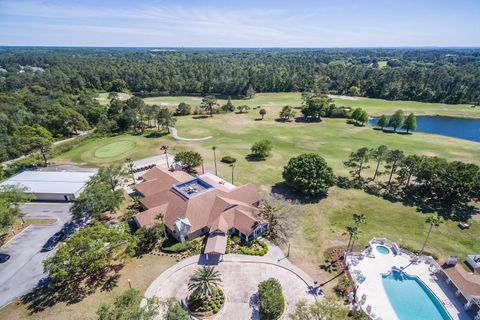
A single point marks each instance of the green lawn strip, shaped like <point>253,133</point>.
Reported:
<point>108,150</point>
<point>373,106</point>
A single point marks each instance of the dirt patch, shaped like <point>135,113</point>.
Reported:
<point>429,154</point>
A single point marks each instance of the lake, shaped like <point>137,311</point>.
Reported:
<point>468,129</point>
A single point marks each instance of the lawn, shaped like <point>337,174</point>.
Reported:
<point>373,106</point>
<point>103,97</point>
<point>140,271</point>
<point>105,151</point>
<point>321,224</point>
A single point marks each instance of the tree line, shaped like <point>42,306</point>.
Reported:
<point>56,88</point>
<point>423,179</point>
<point>435,75</point>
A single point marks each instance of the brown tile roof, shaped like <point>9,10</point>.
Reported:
<point>149,217</point>
<point>469,284</point>
<point>247,193</point>
<point>216,243</point>
<point>218,209</point>
<point>165,174</point>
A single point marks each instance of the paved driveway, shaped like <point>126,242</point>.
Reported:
<point>240,275</point>
<point>24,269</point>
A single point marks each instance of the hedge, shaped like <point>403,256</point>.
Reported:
<point>180,247</point>
<point>272,302</point>
<point>247,250</point>
<point>228,160</point>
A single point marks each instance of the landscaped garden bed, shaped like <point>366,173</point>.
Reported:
<point>206,306</point>
<point>180,250</point>
<point>254,247</point>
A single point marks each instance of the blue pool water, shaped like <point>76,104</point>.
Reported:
<point>382,249</point>
<point>412,299</point>
<point>462,128</point>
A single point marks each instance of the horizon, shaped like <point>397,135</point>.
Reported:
<point>251,24</point>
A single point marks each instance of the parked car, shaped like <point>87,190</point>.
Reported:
<point>4,257</point>
<point>53,241</point>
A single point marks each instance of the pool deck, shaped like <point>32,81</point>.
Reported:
<point>373,267</point>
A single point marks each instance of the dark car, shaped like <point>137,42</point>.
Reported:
<point>53,241</point>
<point>4,257</point>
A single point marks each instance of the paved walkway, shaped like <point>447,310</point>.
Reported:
<point>176,137</point>
<point>241,275</point>
<point>56,143</point>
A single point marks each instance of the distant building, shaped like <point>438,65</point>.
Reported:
<point>194,206</point>
<point>51,185</point>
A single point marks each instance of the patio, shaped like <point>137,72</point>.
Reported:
<point>367,267</point>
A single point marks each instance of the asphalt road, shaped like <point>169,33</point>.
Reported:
<point>22,272</point>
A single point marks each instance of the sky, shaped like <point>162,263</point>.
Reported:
<point>245,23</point>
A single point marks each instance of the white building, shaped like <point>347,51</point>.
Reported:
<point>51,186</point>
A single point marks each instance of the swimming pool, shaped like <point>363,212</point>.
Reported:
<point>412,299</point>
<point>382,249</point>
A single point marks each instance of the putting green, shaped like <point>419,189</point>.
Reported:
<point>114,149</point>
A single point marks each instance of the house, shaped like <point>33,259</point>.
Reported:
<point>465,285</point>
<point>51,185</point>
<point>195,206</point>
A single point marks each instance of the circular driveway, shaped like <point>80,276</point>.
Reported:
<point>240,278</point>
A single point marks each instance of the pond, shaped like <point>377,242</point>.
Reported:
<point>462,128</point>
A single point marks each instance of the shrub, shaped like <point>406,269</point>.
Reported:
<point>261,149</point>
<point>228,160</point>
<point>236,239</point>
<point>271,299</point>
<point>183,109</point>
<point>180,247</point>
<point>309,174</point>
<point>252,252</point>
<point>175,311</point>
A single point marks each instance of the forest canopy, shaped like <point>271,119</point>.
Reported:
<point>55,88</point>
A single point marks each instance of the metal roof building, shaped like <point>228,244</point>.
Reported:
<point>51,185</point>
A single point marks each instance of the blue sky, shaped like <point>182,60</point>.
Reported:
<point>246,23</point>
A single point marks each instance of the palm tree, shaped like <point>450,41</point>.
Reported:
<point>130,166</point>
<point>359,218</point>
<point>215,159</point>
<point>165,149</point>
<point>353,232</point>
<point>204,281</point>
<point>233,167</point>
<point>355,237</point>
<point>161,218</point>
<point>433,220</point>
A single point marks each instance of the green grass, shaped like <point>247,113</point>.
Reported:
<point>115,149</point>
<point>105,151</point>
<point>373,106</point>
<point>382,64</point>
<point>320,225</point>
<point>102,97</point>
<point>140,271</point>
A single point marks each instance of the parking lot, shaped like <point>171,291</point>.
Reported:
<point>23,271</point>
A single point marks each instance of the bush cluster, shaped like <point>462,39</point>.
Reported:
<point>228,160</point>
<point>180,247</point>
<point>272,302</point>
<point>255,252</point>
<point>206,306</point>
